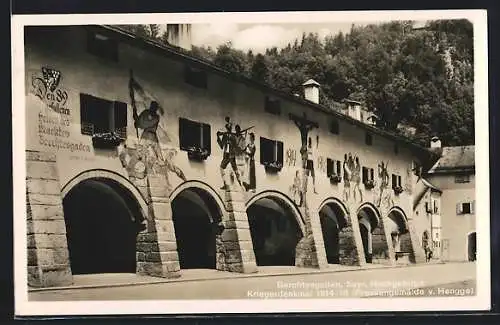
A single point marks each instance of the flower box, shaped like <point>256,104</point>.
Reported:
<point>335,179</point>
<point>197,154</point>
<point>273,167</point>
<point>398,190</point>
<point>369,184</point>
<point>109,140</point>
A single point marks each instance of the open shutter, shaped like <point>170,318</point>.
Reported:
<point>371,174</point>
<point>329,167</point>
<point>207,141</point>
<point>364,174</point>
<point>399,180</point>
<point>182,132</point>
<point>120,113</point>
<point>394,181</point>
<point>473,207</point>
<point>459,208</point>
<point>339,169</point>
<point>279,154</point>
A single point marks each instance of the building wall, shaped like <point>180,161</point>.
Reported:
<point>455,227</point>
<point>429,220</point>
<point>65,51</point>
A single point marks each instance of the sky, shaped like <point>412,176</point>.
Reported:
<point>258,37</point>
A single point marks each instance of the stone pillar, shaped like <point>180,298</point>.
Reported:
<point>156,245</point>
<point>48,255</point>
<point>385,238</point>
<point>310,250</point>
<point>234,245</point>
<point>357,251</point>
<point>417,254</point>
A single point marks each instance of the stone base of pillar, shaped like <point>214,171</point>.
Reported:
<point>348,252</point>
<point>47,247</point>
<point>156,246</point>
<point>234,244</point>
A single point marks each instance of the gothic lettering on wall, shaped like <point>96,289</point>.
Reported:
<point>238,150</point>
<point>322,164</point>
<point>45,85</point>
<point>352,176</point>
<point>291,157</point>
<point>150,156</point>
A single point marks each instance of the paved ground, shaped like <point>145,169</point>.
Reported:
<point>419,280</point>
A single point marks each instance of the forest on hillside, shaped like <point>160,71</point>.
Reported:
<point>420,77</point>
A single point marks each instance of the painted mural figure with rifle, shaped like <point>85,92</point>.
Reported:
<point>232,144</point>
<point>149,122</point>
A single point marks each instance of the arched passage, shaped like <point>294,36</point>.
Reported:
<point>196,217</point>
<point>333,218</point>
<point>398,228</point>
<point>471,246</point>
<point>372,235</point>
<point>102,221</point>
<point>275,230</point>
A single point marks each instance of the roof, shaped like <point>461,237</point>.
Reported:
<point>453,159</point>
<point>311,82</point>
<point>181,54</point>
<point>431,186</point>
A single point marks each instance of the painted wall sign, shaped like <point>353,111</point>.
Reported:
<point>45,85</point>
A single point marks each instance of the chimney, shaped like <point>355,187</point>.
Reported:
<point>179,35</point>
<point>435,143</point>
<point>311,91</point>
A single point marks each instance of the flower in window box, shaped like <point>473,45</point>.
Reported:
<point>106,140</point>
<point>369,184</point>
<point>274,166</point>
<point>196,153</point>
<point>398,190</point>
<point>335,178</point>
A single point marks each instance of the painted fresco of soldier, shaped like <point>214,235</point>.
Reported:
<point>227,141</point>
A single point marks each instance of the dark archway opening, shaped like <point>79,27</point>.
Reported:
<point>274,230</point>
<point>400,235</point>
<point>471,249</point>
<point>372,236</point>
<point>196,215</point>
<point>102,221</point>
<point>332,220</point>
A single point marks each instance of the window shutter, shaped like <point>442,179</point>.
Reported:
<point>399,180</point>
<point>427,207</point>
<point>329,167</point>
<point>207,141</point>
<point>266,150</point>
<point>394,180</point>
<point>364,174</point>
<point>87,127</point>
<point>459,208</point>
<point>371,174</point>
<point>120,111</point>
<point>473,207</point>
<point>279,154</point>
<point>339,170</point>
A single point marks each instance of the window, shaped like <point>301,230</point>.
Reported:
<point>272,106</point>
<point>334,127</point>
<point>102,46</point>
<point>102,116</point>
<point>271,152</point>
<point>435,207</point>
<point>194,136</point>
<point>465,207</point>
<point>396,181</point>
<point>396,148</point>
<point>428,207</point>
<point>368,139</point>
<point>194,77</point>
<point>333,167</point>
<point>367,175</point>
<point>462,178</point>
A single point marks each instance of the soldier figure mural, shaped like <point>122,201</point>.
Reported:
<point>234,146</point>
<point>149,150</point>
<point>305,126</point>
